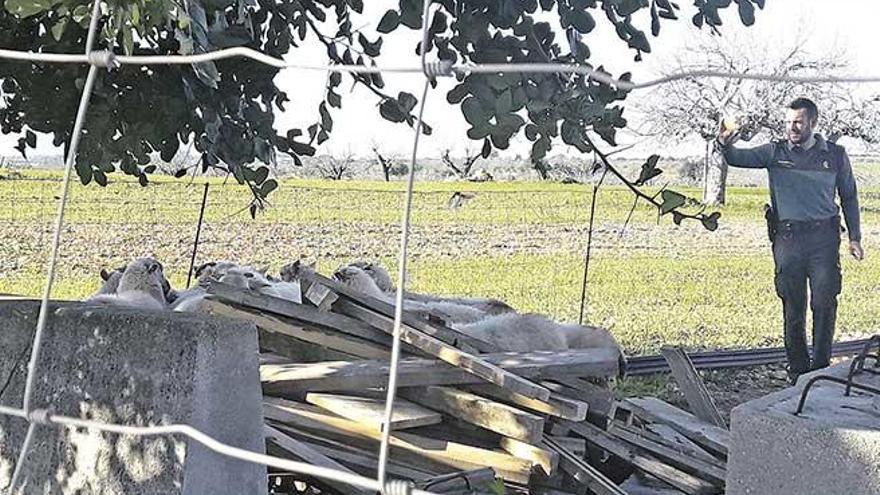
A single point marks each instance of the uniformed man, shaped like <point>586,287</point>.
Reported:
<point>805,171</point>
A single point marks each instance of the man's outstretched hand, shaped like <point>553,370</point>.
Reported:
<point>728,132</point>
<point>855,249</point>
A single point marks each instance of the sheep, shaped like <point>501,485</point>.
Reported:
<point>517,332</point>
<point>297,271</point>
<point>358,279</point>
<point>141,285</point>
<point>253,279</point>
<point>111,283</point>
<point>226,272</point>
<point>533,332</point>
<point>110,280</point>
<point>383,281</point>
<point>212,270</point>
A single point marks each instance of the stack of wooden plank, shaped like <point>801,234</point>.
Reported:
<point>466,414</point>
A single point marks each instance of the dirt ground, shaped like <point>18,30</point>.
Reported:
<point>732,387</point>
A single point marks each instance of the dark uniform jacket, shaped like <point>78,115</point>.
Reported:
<point>803,182</point>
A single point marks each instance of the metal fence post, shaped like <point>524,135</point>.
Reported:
<point>192,261</point>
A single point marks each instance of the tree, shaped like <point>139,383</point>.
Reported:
<point>336,168</point>
<point>695,106</point>
<point>390,166</point>
<point>228,107</point>
<point>463,169</point>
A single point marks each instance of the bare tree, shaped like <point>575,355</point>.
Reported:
<point>462,170</point>
<point>390,166</point>
<point>336,168</point>
<point>681,109</point>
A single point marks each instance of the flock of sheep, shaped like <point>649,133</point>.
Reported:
<point>142,283</point>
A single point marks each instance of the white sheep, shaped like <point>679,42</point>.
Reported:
<point>383,280</point>
<point>142,285</point>
<point>516,332</point>
<point>359,280</point>
<point>189,300</point>
<point>297,271</point>
<point>110,280</point>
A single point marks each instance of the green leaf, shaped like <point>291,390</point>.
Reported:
<point>487,149</point>
<point>389,22</point>
<point>671,201</point>
<point>473,112</point>
<point>407,101</point>
<point>581,20</point>
<point>100,178</point>
<point>58,28</point>
<point>504,103</point>
<point>334,99</point>
<point>677,217</point>
<point>27,8</point>
<point>268,186</point>
<point>127,41</point>
<point>711,222</point>
<point>301,148</point>
<point>746,14</point>
<point>390,110</point>
<point>458,93</point>
<point>649,170</point>
<point>84,172</point>
<point>261,174</point>
<point>326,119</point>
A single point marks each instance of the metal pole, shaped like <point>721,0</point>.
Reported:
<point>587,256</point>
<point>192,261</point>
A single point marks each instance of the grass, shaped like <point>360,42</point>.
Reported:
<point>657,284</point>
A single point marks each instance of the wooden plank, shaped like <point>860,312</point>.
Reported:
<point>469,362</point>
<point>692,386</point>
<point>679,458</point>
<point>441,332</point>
<point>331,340</point>
<point>577,446</point>
<point>583,472</point>
<point>371,410</point>
<point>664,434</point>
<point>679,479</point>
<point>493,416</point>
<point>621,413</point>
<point>450,453</point>
<point>556,405</point>
<point>359,375</point>
<point>321,297</point>
<point>709,436</point>
<point>547,460</point>
<point>355,457</point>
<point>298,351</point>
<point>272,358</point>
<point>303,452</point>
<point>472,481</point>
<point>599,399</point>
<point>300,313</point>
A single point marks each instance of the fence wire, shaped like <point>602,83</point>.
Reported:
<point>431,70</point>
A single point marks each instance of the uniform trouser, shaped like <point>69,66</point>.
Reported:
<point>802,257</point>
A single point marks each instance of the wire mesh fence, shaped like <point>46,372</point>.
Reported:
<point>458,237</point>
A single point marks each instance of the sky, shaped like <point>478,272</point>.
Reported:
<point>846,25</point>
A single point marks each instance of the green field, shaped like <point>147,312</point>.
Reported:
<point>652,284</point>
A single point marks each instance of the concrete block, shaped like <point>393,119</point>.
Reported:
<point>833,447</point>
<point>140,368</point>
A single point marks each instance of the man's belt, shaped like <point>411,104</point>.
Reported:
<point>808,225</point>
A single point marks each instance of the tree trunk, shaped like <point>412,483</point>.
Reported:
<point>715,177</point>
